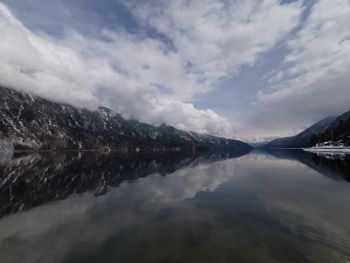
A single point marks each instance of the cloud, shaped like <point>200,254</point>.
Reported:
<point>218,37</point>
<point>315,81</point>
<point>153,79</point>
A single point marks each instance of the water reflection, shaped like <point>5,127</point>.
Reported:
<point>254,208</point>
<point>31,180</point>
<point>335,166</point>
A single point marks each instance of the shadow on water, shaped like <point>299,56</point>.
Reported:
<point>336,167</point>
<point>30,180</point>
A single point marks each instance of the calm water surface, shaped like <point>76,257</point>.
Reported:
<point>259,207</point>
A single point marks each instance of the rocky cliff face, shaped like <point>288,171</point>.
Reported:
<point>31,122</point>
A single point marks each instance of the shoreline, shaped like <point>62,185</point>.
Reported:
<point>342,150</point>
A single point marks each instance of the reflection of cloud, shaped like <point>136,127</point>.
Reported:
<point>301,199</point>
<point>151,190</point>
<point>266,192</point>
<point>182,184</point>
<point>133,203</point>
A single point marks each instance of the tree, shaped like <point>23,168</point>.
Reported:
<point>314,139</point>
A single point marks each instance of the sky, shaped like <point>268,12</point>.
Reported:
<point>252,70</point>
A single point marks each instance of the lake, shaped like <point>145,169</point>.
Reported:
<point>281,206</point>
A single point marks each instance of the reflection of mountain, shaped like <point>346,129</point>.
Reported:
<point>36,179</point>
<point>199,213</point>
<point>338,165</point>
<point>337,168</point>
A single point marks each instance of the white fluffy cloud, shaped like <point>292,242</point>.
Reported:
<point>315,83</point>
<point>138,75</point>
<point>218,37</point>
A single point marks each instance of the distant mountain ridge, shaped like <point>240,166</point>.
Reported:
<point>337,134</point>
<point>30,122</point>
<point>331,131</point>
<point>277,143</point>
<point>303,139</point>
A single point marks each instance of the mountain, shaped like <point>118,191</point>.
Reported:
<point>30,122</point>
<point>303,139</point>
<point>278,143</point>
<point>337,134</point>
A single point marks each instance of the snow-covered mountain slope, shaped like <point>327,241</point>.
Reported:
<point>27,121</point>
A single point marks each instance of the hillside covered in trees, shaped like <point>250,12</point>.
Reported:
<point>338,133</point>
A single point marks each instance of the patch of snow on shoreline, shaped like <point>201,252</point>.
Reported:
<point>328,149</point>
